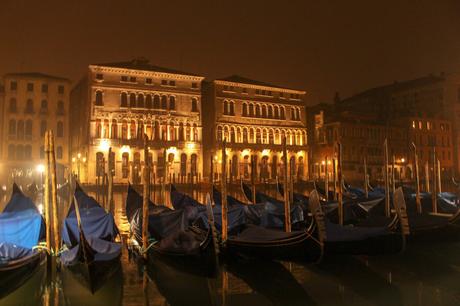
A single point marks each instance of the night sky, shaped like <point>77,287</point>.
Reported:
<point>319,46</point>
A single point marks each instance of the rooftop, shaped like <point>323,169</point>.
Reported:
<point>243,80</point>
<point>144,64</point>
<point>35,75</point>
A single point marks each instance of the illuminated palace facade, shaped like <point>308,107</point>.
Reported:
<point>253,117</point>
<point>33,103</point>
<point>115,104</point>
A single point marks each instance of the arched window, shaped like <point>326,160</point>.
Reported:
<point>187,132</point>
<point>172,132</point>
<point>226,133</point>
<point>195,132</point>
<point>98,128</point>
<point>300,167</point>
<point>164,102</point>
<point>234,169</point>
<point>232,108</point>
<point>106,129</point>
<point>59,152</point>
<point>12,127</point>
<point>274,165</point>
<point>292,165</point>
<point>245,109</point>
<point>225,107</point>
<point>181,131</point>
<point>125,164</point>
<point>171,158</point>
<point>114,129</point>
<point>219,133</point>
<point>124,129</point>
<point>194,105</point>
<point>271,139</point>
<point>156,129</point>
<point>245,135</point>
<point>20,129</point>
<point>172,103</point>
<point>20,152</point>
<point>60,129</point>
<point>282,113</point>
<point>28,129</point>
<point>264,111</point>
<point>232,135</point>
<point>251,135</point>
<point>99,100</point>
<point>193,164</point>
<point>140,101</point>
<point>132,100</point>
<point>238,134</point>
<point>43,127</point>
<point>29,106</point>
<point>156,102</point>
<point>298,113</point>
<point>132,130</point>
<point>183,164</point>
<point>251,110</point>
<point>11,152</point>
<point>124,99</point>
<point>277,112</point>
<point>13,105</point>
<point>264,136</point>
<point>258,136</point>
<point>149,102</point>
<point>270,111</point>
<point>277,137</point>
<point>164,131</point>
<point>257,110</point>
<point>246,166</point>
<point>264,167</point>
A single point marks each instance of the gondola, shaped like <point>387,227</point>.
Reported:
<point>186,247</point>
<point>256,241</point>
<point>384,237</point>
<point>274,208</point>
<point>89,235</point>
<point>21,229</point>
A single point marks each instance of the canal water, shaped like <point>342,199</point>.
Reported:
<point>424,275</point>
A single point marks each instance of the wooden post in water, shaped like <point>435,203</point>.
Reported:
<point>326,178</point>
<point>387,183</point>
<point>145,199</point>
<point>46,200</point>
<point>439,176</point>
<point>253,178</point>
<point>56,230</point>
<point>393,182</point>
<point>417,181</point>
<point>224,192</point>
<point>334,174</point>
<point>291,180</point>
<point>287,206</point>
<point>427,177</point>
<point>366,182</point>
<point>110,181</point>
<point>340,182</point>
<point>163,183</point>
<point>434,193</point>
<point>211,175</point>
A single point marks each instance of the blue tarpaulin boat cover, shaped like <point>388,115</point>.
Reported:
<point>96,223</point>
<point>21,227</point>
<point>103,251</point>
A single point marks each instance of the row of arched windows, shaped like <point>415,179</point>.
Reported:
<point>263,111</point>
<point>23,129</point>
<point>132,129</point>
<point>260,135</point>
<point>266,168</point>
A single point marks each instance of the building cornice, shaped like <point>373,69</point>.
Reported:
<point>272,88</point>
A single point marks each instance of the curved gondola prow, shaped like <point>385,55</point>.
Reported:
<point>401,210</point>
<point>319,220</point>
<point>244,189</point>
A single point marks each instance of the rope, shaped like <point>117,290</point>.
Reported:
<point>142,251</point>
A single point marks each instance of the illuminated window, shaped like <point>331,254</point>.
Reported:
<point>125,164</point>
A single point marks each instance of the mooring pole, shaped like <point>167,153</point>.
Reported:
<point>393,183</point>
<point>110,181</point>
<point>439,176</point>
<point>417,181</point>
<point>253,178</point>
<point>427,177</point>
<point>56,232</point>
<point>326,178</point>
<point>47,206</point>
<point>366,182</point>
<point>434,194</point>
<point>224,192</point>
<point>145,199</point>
<point>387,183</point>
<point>334,174</point>
<point>340,182</point>
<point>287,206</point>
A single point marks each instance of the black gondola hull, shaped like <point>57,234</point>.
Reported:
<point>15,274</point>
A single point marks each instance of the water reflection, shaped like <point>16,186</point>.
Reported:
<point>423,275</point>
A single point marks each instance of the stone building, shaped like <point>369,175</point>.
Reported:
<point>33,103</point>
<point>253,116</point>
<point>115,104</point>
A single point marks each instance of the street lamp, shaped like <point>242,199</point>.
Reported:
<point>41,169</point>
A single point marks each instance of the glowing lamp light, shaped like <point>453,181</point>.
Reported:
<point>323,162</point>
<point>265,152</point>
<point>79,155</point>
<point>246,152</point>
<point>191,146</point>
<point>172,150</point>
<point>40,168</point>
<point>403,160</point>
<point>73,159</point>
<point>104,145</point>
<point>40,208</point>
<point>125,149</point>
<point>84,159</point>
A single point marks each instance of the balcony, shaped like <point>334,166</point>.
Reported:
<point>139,143</point>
